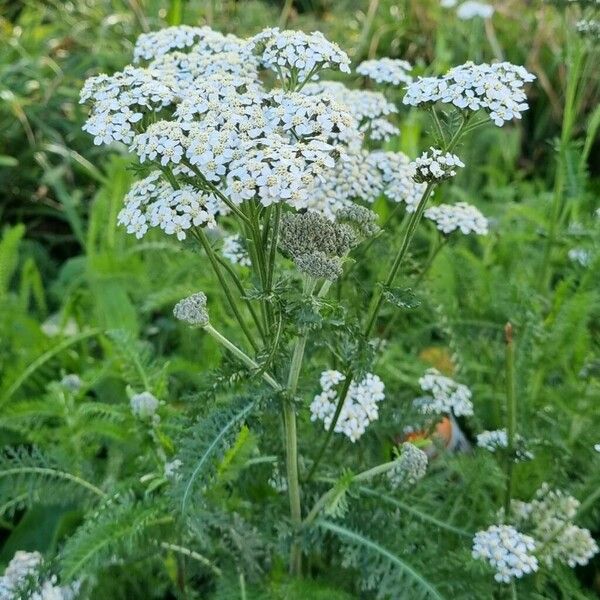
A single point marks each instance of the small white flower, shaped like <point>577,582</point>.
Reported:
<point>447,396</point>
<point>409,467</point>
<point>386,70</point>
<point>472,9</point>
<point>580,256</point>
<point>435,166</point>
<point>509,552</point>
<point>497,89</point>
<point>360,406</point>
<point>460,216</point>
<point>234,251</point>
<point>144,405</point>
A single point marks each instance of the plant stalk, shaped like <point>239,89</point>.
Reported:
<point>511,415</point>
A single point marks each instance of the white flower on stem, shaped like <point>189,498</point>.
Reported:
<point>234,251</point>
<point>460,216</point>
<point>386,70</point>
<point>192,310</point>
<point>549,517</point>
<point>295,53</point>
<point>447,396</point>
<point>409,467</point>
<point>360,406</point>
<point>580,256</point>
<point>144,405</point>
<point>152,202</point>
<point>497,89</point>
<point>472,9</point>
<point>508,552</point>
<point>435,166</point>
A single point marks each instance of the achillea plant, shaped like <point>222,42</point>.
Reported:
<point>247,135</point>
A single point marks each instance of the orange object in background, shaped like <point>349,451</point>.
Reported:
<point>447,433</point>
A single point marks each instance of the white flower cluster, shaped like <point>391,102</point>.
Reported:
<point>370,109</point>
<point>23,572</point>
<point>152,202</point>
<point>549,519</point>
<point>71,382</point>
<point>298,55</point>
<point>435,166</point>
<point>201,40</point>
<point>192,310</point>
<point>234,251</point>
<point>144,405</point>
<point>589,27</point>
<point>581,256</point>
<point>364,175</point>
<point>171,469</point>
<point>461,216</point>
<point>495,440</point>
<point>386,70</point>
<point>472,9</point>
<point>218,125</point>
<point>496,89</point>
<point>447,396</point>
<point>360,406</point>
<point>509,552</point>
<point>409,467</point>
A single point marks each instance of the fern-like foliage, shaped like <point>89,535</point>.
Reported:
<point>28,477</point>
<point>121,528</point>
<point>205,442</point>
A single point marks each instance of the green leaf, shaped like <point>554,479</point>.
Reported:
<point>401,297</point>
<point>353,537</point>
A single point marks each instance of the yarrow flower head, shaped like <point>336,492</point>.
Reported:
<point>496,440</point>
<point>472,9</point>
<point>24,578</point>
<point>549,518</point>
<point>447,396</point>
<point>409,467</point>
<point>496,89</point>
<point>386,70</point>
<point>460,216</point>
<point>234,251</point>
<point>316,244</point>
<point>589,28</point>
<point>370,109</point>
<point>580,256</point>
<point>152,202</point>
<point>192,310</point>
<point>298,54</point>
<point>435,166</point>
<point>508,552</point>
<point>360,406</point>
<point>71,382</point>
<point>144,405</point>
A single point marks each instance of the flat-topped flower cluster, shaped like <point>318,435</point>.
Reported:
<point>360,408</point>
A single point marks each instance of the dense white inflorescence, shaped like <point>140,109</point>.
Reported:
<point>153,202</point>
<point>234,251</point>
<point>192,310</point>
<point>360,406</point>
<point>447,396</point>
<point>492,440</point>
<point>71,382</point>
<point>581,256</point>
<point>386,70</point>
<point>549,518</point>
<point>472,9</point>
<point>409,467</point>
<point>22,579</point>
<point>371,110</point>
<point>460,216</point>
<point>435,166</point>
<point>144,405</point>
<point>496,89</point>
<point>298,55</point>
<point>509,552</point>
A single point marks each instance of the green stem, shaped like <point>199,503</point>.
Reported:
<point>364,476</point>
<point>291,439</point>
<point>241,355</point>
<point>242,291</point>
<point>511,416</point>
<point>201,236</point>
